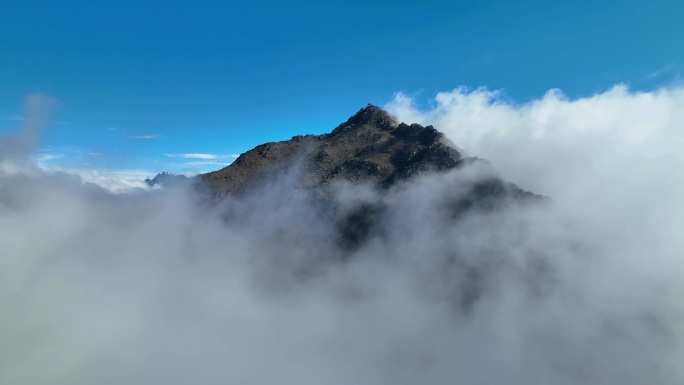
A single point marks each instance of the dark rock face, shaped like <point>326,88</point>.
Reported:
<point>167,179</point>
<point>370,146</point>
<point>356,226</point>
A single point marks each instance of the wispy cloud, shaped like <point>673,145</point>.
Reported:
<point>14,118</point>
<point>155,136</point>
<point>206,163</point>
<point>69,149</point>
<point>662,71</point>
<point>203,156</point>
<point>17,118</point>
<point>41,158</point>
<point>70,154</point>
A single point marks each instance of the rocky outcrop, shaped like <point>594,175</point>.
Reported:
<point>370,146</point>
<point>167,179</point>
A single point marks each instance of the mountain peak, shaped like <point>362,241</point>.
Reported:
<point>369,146</point>
<point>370,115</point>
<point>166,178</point>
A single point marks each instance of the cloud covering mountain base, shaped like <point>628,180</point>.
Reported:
<point>154,287</point>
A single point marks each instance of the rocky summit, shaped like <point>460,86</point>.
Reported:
<point>370,146</point>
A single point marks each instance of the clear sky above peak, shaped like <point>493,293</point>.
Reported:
<point>148,84</point>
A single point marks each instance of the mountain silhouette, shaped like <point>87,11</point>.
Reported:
<point>370,146</point>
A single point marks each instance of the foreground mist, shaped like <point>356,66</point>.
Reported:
<point>157,287</point>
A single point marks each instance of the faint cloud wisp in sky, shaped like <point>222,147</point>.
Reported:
<point>155,136</point>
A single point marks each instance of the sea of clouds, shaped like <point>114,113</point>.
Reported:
<point>165,287</point>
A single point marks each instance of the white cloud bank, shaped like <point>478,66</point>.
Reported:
<point>618,150</point>
<point>152,287</point>
<point>112,180</point>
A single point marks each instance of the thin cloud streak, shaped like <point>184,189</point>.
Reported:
<point>206,163</point>
<point>145,136</point>
<point>14,118</point>
<point>202,156</point>
<point>18,118</point>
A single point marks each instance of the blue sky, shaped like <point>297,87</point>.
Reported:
<point>141,79</point>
